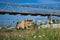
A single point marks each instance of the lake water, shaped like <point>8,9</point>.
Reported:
<point>7,20</point>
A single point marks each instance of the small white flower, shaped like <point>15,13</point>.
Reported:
<point>39,36</point>
<point>43,35</point>
<point>19,35</point>
<point>34,37</point>
<point>39,27</point>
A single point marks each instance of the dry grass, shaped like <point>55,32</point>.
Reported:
<point>30,34</point>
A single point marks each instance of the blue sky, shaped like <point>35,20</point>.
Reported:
<point>31,1</point>
<point>8,19</point>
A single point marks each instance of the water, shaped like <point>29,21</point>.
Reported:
<point>7,20</point>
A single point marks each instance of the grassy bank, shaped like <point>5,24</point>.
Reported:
<point>30,34</point>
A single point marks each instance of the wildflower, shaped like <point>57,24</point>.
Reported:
<point>34,37</point>
<point>19,35</point>
<point>43,35</point>
<point>39,27</point>
<point>39,36</point>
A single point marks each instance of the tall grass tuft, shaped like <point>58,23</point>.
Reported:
<point>31,34</point>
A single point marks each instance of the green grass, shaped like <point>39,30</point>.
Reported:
<point>30,34</point>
